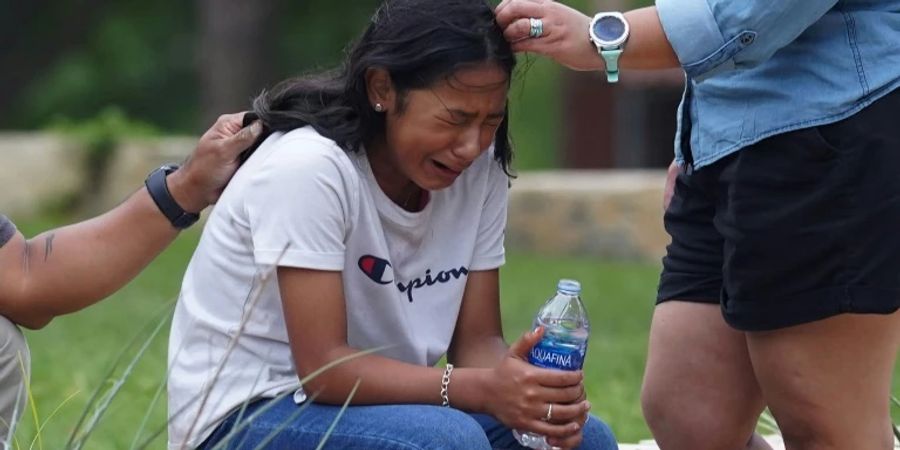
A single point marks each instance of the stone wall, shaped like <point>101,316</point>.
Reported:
<point>133,160</point>
<point>36,169</point>
<point>608,214</point>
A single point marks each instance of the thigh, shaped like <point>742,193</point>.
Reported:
<point>597,435</point>
<point>699,387</point>
<point>281,424</point>
<point>828,382</point>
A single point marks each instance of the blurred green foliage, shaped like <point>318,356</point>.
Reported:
<point>135,55</point>
<point>99,136</point>
<point>74,59</point>
<point>102,133</point>
<point>142,57</point>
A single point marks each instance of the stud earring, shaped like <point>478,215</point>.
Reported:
<point>379,107</point>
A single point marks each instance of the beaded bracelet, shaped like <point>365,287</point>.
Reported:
<point>445,383</point>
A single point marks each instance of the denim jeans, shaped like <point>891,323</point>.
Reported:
<point>405,427</point>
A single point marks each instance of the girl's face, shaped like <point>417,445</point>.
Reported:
<point>437,132</point>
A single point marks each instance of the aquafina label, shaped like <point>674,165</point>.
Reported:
<point>564,344</point>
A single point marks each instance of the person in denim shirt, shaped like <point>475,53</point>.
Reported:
<point>782,280</point>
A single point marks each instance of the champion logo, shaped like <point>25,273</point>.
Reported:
<point>380,271</point>
<point>430,280</point>
<point>377,269</point>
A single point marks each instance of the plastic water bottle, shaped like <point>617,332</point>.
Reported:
<point>564,344</point>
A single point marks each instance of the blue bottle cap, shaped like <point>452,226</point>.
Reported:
<point>570,287</point>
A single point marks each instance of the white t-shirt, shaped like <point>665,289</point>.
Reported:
<point>302,201</point>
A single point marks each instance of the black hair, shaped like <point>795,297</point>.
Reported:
<point>418,42</point>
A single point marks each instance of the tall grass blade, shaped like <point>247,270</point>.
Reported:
<point>34,411</point>
<point>240,426</point>
<point>9,439</point>
<point>894,425</point>
<point>768,423</point>
<point>160,430</point>
<point>10,427</point>
<point>146,418</point>
<point>110,394</point>
<point>249,305</point>
<point>109,373</point>
<point>284,424</point>
<point>51,416</point>
<point>342,360</point>
<point>246,403</point>
<point>336,418</point>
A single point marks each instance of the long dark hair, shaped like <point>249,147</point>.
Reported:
<point>418,42</point>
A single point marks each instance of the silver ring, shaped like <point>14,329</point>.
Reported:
<point>549,413</point>
<point>537,28</point>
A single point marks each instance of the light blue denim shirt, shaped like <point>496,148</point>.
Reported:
<point>758,68</point>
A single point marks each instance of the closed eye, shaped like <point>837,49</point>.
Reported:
<point>455,123</point>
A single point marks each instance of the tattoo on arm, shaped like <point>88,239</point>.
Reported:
<point>26,257</point>
<point>48,246</point>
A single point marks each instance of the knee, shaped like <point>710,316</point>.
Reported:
<point>678,424</point>
<point>661,410</point>
<point>652,408</point>
<point>598,435</point>
<point>664,408</point>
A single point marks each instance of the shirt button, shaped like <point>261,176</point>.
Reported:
<point>747,39</point>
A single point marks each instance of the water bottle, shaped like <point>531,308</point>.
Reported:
<point>563,346</point>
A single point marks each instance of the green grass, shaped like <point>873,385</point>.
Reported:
<point>74,352</point>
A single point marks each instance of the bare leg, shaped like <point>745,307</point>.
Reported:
<point>699,388</point>
<point>828,382</point>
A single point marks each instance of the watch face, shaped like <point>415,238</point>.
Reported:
<point>609,28</point>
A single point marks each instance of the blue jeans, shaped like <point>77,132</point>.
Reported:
<point>401,427</point>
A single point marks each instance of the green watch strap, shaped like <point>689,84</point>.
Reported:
<point>612,64</point>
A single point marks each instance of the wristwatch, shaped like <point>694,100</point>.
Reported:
<point>609,32</point>
<point>159,192</point>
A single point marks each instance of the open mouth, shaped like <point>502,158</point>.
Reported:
<point>446,169</point>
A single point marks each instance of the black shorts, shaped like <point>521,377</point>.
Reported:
<point>796,228</point>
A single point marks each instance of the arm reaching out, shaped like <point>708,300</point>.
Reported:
<point>704,37</point>
<point>565,37</point>
<point>67,269</point>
